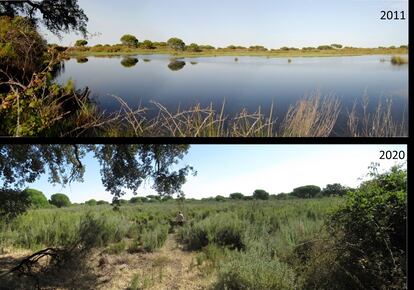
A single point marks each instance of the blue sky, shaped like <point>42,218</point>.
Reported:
<point>223,169</point>
<point>272,23</point>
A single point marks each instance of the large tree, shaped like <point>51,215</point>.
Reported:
<point>57,15</point>
<point>123,167</point>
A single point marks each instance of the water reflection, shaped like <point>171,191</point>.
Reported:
<point>193,62</point>
<point>82,60</point>
<point>176,65</point>
<point>146,60</point>
<point>129,61</point>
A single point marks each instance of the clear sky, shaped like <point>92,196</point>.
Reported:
<point>224,169</point>
<point>272,23</point>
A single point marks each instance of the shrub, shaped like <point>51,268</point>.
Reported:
<point>81,42</point>
<point>334,189</point>
<point>338,46</point>
<point>91,202</point>
<point>154,239</point>
<point>307,191</point>
<point>129,40</point>
<point>220,198</point>
<point>252,271</point>
<point>194,47</point>
<point>60,200</point>
<point>370,232</point>
<point>398,60</point>
<point>325,47</point>
<point>196,237</point>
<point>13,203</point>
<point>176,44</point>
<point>260,194</point>
<point>236,195</point>
<point>37,198</point>
<point>147,44</point>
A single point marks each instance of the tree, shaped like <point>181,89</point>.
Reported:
<point>147,44</point>
<point>220,198</point>
<point>176,44</point>
<point>91,202</point>
<point>334,189</point>
<point>194,47</point>
<point>370,232</point>
<point>325,47</point>
<point>81,42</point>
<point>100,202</point>
<point>57,15</point>
<point>339,46</point>
<point>167,198</point>
<point>60,200</point>
<point>122,166</point>
<point>231,47</point>
<point>129,40</point>
<point>260,194</point>
<point>13,203</point>
<point>307,191</point>
<point>236,195</point>
<point>37,198</point>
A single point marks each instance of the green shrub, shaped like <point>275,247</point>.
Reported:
<point>60,200</point>
<point>250,270</point>
<point>116,248</point>
<point>154,239</point>
<point>398,60</point>
<point>37,198</point>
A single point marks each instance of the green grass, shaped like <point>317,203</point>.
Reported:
<point>243,52</point>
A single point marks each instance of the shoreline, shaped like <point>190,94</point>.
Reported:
<point>270,54</point>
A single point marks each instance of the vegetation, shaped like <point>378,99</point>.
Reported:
<point>81,42</point>
<point>176,44</point>
<point>398,60</point>
<point>129,40</point>
<point>37,198</point>
<point>60,200</point>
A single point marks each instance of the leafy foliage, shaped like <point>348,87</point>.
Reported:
<point>60,200</point>
<point>176,44</point>
<point>129,40</point>
<point>37,198</point>
<point>57,15</point>
<point>236,195</point>
<point>307,191</point>
<point>334,189</point>
<point>13,203</point>
<point>260,194</point>
<point>81,42</point>
<point>370,232</point>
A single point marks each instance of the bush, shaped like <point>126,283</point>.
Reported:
<point>176,44</point>
<point>81,42</point>
<point>252,271</point>
<point>307,191</point>
<point>147,44</point>
<point>37,198</point>
<point>194,47</point>
<point>236,195</point>
<point>260,194</point>
<point>154,239</point>
<point>60,200</point>
<point>91,202</point>
<point>220,198</point>
<point>129,40</point>
<point>370,232</point>
<point>334,189</point>
<point>325,47</point>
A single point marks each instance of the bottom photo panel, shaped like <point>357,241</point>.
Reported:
<point>168,216</point>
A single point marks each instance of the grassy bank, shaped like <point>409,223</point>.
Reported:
<point>84,52</point>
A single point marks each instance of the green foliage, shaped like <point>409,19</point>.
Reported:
<point>37,198</point>
<point>334,189</point>
<point>129,40</point>
<point>81,42</point>
<point>154,239</point>
<point>57,16</point>
<point>60,200</point>
<point>398,60</point>
<point>260,194</point>
<point>13,203</point>
<point>220,198</point>
<point>370,231</point>
<point>338,46</point>
<point>258,48</point>
<point>91,202</point>
<point>236,195</point>
<point>194,47</point>
<point>100,202</point>
<point>325,47</point>
<point>307,191</point>
<point>147,44</point>
<point>251,271</point>
<point>176,44</point>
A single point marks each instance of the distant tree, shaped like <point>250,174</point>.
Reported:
<point>236,195</point>
<point>248,197</point>
<point>260,194</point>
<point>284,48</point>
<point>194,47</point>
<point>308,191</point>
<point>100,202</point>
<point>334,189</point>
<point>81,42</point>
<point>160,44</point>
<point>147,44</point>
<point>135,199</point>
<point>404,46</point>
<point>120,201</point>
<point>308,48</point>
<point>60,200</point>
<point>392,47</point>
<point>167,198</point>
<point>37,198</point>
<point>258,48</point>
<point>91,202</point>
<point>324,47</point>
<point>220,198</point>
<point>153,197</point>
<point>207,47</point>
<point>176,44</point>
<point>129,40</point>
<point>335,45</point>
<point>231,47</point>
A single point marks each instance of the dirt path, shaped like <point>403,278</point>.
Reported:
<point>171,267</point>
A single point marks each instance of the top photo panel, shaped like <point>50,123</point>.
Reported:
<point>234,68</point>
